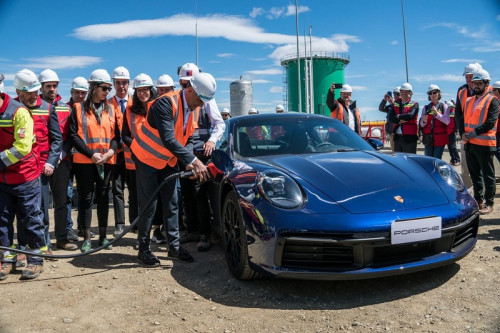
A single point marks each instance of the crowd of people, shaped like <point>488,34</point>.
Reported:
<point>473,114</point>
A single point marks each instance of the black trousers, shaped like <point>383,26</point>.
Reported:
<point>118,179</point>
<point>482,173</point>
<point>405,143</point>
<point>88,182</point>
<point>59,184</point>
<point>133,206</point>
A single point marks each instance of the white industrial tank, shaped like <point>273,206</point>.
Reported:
<point>241,97</point>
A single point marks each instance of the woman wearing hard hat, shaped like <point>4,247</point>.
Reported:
<point>95,134</point>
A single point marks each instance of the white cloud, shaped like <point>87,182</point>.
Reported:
<point>488,47</point>
<point>435,78</point>
<point>226,55</point>
<point>290,10</point>
<point>276,89</point>
<point>477,32</point>
<point>258,81</point>
<point>275,12</point>
<point>256,11</point>
<point>359,88</point>
<point>61,62</point>
<point>269,71</point>
<point>394,42</point>
<point>467,61</point>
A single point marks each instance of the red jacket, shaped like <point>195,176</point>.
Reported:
<point>439,129</point>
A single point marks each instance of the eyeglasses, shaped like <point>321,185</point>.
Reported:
<point>144,90</point>
<point>396,94</point>
<point>434,92</point>
<point>105,88</point>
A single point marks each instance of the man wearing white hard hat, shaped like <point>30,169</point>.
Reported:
<point>59,180</point>
<point>476,126</point>
<point>48,139</point>
<point>343,109</point>
<point>403,113</point>
<point>225,113</point>
<point>160,143</point>
<point>19,184</point>
<point>209,128</point>
<point>79,89</point>
<point>384,107</point>
<point>280,108</point>
<point>164,84</point>
<point>121,82</point>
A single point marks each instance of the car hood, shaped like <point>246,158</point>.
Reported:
<point>365,182</point>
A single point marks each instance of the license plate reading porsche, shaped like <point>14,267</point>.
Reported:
<point>409,231</point>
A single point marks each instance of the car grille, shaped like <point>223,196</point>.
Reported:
<point>464,234</point>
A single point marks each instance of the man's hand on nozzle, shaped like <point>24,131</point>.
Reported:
<point>199,169</point>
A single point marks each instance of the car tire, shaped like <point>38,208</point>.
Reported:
<point>234,239</point>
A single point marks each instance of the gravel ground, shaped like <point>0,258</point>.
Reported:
<point>109,291</point>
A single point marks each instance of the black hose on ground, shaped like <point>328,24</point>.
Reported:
<point>183,174</point>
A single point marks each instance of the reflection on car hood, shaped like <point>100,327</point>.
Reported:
<point>365,182</point>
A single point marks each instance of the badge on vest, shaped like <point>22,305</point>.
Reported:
<point>22,132</point>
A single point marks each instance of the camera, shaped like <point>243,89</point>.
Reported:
<point>337,85</point>
<point>199,151</point>
<point>389,93</point>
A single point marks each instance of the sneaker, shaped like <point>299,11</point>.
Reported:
<point>118,230</point>
<point>80,233</point>
<point>158,237</point>
<point>148,259</point>
<point>180,254</point>
<point>65,244</point>
<point>6,269</point>
<point>189,237</point>
<point>204,244</point>
<point>71,236</point>
<point>32,271</point>
<point>105,242</point>
<point>486,210</point>
<point>86,246</point>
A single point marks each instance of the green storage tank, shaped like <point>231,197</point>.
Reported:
<point>327,68</point>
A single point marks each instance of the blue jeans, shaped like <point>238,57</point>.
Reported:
<point>148,180</point>
<point>432,151</point>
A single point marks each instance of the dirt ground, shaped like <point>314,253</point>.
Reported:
<point>109,291</point>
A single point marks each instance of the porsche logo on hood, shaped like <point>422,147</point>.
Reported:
<point>399,199</point>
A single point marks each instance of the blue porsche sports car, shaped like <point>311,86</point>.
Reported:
<point>303,196</point>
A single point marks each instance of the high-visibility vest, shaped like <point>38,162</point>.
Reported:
<point>96,136</point>
<point>63,112</point>
<point>463,94</point>
<point>147,145</point>
<point>119,115</point>
<point>451,125</point>
<point>26,169</point>
<point>135,122</point>
<point>439,129</point>
<point>338,113</point>
<point>475,117</point>
<point>410,127</point>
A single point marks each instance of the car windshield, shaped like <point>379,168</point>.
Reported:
<point>295,135</point>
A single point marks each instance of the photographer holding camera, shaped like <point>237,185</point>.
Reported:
<point>434,123</point>
<point>343,108</point>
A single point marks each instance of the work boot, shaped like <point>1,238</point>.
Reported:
<point>204,244</point>
<point>6,269</point>
<point>71,236</point>
<point>32,271</point>
<point>65,244</point>
<point>189,237</point>
<point>148,259</point>
<point>21,258</point>
<point>180,254</point>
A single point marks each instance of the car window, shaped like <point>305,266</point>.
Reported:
<point>295,136</point>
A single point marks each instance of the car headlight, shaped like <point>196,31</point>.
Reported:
<point>449,175</point>
<point>280,189</point>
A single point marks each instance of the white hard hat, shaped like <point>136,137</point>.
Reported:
<point>225,110</point>
<point>346,88</point>
<point>121,72</point>
<point>204,85</point>
<point>80,83</point>
<point>433,87</point>
<point>496,85</point>
<point>188,70</point>
<point>449,103</point>
<point>471,68</point>
<point>2,88</point>
<point>143,80</point>
<point>253,111</point>
<point>397,89</point>
<point>481,75</point>
<point>406,86</point>
<point>100,76</point>
<point>25,80</point>
<point>376,133</point>
<point>279,107</point>
<point>165,81</point>
<point>48,75</point>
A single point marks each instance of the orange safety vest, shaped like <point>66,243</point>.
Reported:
<point>462,97</point>
<point>338,113</point>
<point>475,117</point>
<point>135,122</point>
<point>119,115</point>
<point>147,145</point>
<point>96,136</point>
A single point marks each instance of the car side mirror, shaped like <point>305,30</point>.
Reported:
<point>375,143</point>
<point>222,160</point>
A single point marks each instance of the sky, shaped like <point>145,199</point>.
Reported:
<point>248,38</point>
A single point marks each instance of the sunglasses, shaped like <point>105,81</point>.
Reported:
<point>433,92</point>
<point>105,88</point>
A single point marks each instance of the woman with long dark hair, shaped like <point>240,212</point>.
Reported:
<point>135,115</point>
<point>94,130</point>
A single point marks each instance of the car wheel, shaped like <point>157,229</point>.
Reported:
<point>235,240</point>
